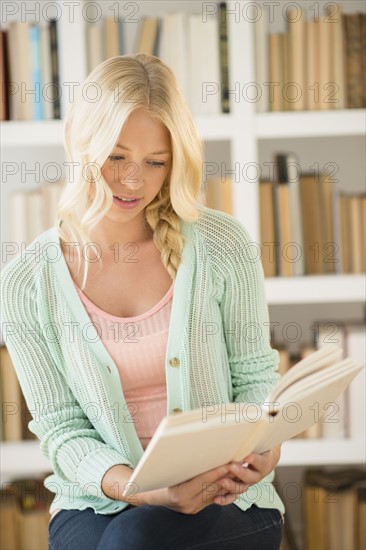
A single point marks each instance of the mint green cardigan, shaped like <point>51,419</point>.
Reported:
<point>219,331</point>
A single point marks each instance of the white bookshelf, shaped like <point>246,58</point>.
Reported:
<point>351,122</point>
<point>247,133</point>
<point>329,452</point>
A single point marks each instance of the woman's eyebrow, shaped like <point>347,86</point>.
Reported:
<point>155,152</point>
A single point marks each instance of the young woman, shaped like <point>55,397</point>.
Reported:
<point>140,302</point>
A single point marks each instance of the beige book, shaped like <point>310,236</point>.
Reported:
<point>329,245</point>
<point>355,228</point>
<point>261,59</point>
<point>35,214</point>
<point>33,529</point>
<point>225,432</point>
<point>18,219</point>
<point>267,228</point>
<point>326,86</point>
<point>111,37</point>
<point>276,100</point>
<point>286,70</point>
<point>48,89</point>
<point>315,517</point>
<point>18,75</point>
<point>338,56</point>
<point>147,37</point>
<point>312,65</point>
<point>311,212</point>
<point>11,394</point>
<point>94,35</point>
<point>297,49</point>
<point>345,233</point>
<point>51,195</point>
<point>219,194</point>
<point>286,267</point>
<point>315,431</point>
<point>9,534</point>
<point>334,416</point>
<point>363,231</point>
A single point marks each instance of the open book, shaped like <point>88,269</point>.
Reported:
<point>190,443</point>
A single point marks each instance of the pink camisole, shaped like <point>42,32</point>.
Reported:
<point>138,347</point>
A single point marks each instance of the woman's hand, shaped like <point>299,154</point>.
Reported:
<point>258,466</point>
<point>195,494</point>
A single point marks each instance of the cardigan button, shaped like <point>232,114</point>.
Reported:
<point>177,410</point>
<point>108,367</point>
<point>174,362</point>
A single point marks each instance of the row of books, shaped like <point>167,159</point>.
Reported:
<point>197,50</point>
<point>24,512</point>
<point>316,65</point>
<point>195,47</point>
<point>29,72</point>
<point>31,212</point>
<point>334,510</point>
<point>339,421</point>
<point>308,227</point>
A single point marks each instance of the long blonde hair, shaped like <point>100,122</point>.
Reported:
<point>93,124</point>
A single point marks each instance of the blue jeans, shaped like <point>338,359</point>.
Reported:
<point>159,528</point>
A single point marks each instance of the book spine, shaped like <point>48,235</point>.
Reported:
<point>55,70</point>
<point>35,51</point>
<point>224,62</point>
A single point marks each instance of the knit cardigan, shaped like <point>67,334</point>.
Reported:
<point>219,332</point>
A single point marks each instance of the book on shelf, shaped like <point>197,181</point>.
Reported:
<point>15,413</point>
<point>32,212</point>
<point>218,194</point>
<point>148,38</point>
<point>288,215</point>
<point>307,226</point>
<point>24,512</point>
<point>315,63</point>
<point>29,61</point>
<point>333,507</point>
<point>185,444</point>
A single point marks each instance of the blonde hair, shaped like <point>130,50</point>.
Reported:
<point>92,128</point>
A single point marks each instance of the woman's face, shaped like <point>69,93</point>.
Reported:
<point>138,165</point>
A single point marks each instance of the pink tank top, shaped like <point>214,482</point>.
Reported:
<point>138,347</point>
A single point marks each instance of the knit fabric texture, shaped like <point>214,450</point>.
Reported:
<point>218,351</point>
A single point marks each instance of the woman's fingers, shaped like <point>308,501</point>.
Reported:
<point>224,500</point>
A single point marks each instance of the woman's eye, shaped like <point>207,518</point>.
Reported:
<point>115,157</point>
<point>158,164</point>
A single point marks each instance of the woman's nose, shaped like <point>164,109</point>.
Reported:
<point>132,175</point>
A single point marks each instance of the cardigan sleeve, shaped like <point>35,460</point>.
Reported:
<point>76,451</point>
<point>253,362</point>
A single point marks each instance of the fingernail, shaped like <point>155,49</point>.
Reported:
<point>245,465</point>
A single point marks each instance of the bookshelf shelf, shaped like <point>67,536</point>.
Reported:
<point>294,453</point>
<point>316,289</point>
<point>50,132</point>
<point>22,458</point>
<point>351,122</point>
<point>322,452</point>
<point>347,122</point>
<point>41,133</point>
